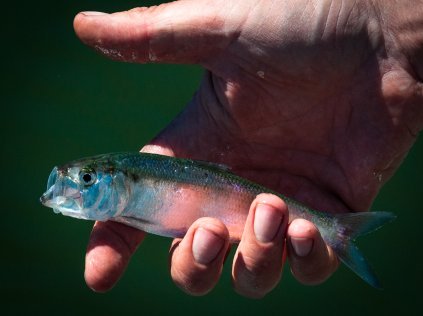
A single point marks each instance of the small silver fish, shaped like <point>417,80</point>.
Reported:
<point>165,195</point>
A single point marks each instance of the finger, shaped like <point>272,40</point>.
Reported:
<point>110,247</point>
<point>259,258</point>
<point>182,31</point>
<point>197,259</point>
<point>311,260</point>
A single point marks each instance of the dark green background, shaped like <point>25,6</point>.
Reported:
<point>63,101</point>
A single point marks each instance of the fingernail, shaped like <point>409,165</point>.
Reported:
<point>93,13</point>
<point>302,246</point>
<point>206,246</point>
<point>267,221</point>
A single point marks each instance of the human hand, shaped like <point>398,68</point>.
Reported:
<point>320,101</point>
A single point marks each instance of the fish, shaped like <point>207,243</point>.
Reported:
<point>164,195</point>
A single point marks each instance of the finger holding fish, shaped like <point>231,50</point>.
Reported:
<point>196,261</point>
<point>310,259</point>
<point>109,251</point>
<point>258,262</point>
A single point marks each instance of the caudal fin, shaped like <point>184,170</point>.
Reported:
<point>350,226</point>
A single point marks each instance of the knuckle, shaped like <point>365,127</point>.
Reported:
<point>259,268</point>
<point>310,276</point>
<point>137,10</point>
<point>251,286</point>
<point>314,272</point>
<point>191,283</point>
<point>255,278</point>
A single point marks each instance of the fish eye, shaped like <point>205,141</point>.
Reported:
<point>87,177</point>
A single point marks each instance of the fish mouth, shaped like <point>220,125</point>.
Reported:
<point>63,196</point>
<point>67,205</point>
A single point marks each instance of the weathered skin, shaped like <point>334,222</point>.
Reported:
<point>148,192</point>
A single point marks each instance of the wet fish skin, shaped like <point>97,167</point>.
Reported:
<point>165,195</point>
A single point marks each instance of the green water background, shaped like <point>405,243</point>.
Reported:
<point>63,101</point>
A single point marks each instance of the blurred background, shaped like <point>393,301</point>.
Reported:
<point>63,101</point>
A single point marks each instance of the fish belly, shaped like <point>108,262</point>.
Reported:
<point>169,209</point>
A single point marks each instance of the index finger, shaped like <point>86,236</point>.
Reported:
<point>110,248</point>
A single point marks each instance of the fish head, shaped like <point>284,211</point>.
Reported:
<point>85,190</point>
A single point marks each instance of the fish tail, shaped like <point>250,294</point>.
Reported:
<point>350,226</point>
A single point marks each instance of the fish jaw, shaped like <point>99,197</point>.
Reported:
<point>63,196</point>
<point>68,206</point>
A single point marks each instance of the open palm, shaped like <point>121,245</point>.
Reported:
<point>307,98</point>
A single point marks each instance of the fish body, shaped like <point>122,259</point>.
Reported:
<point>165,195</point>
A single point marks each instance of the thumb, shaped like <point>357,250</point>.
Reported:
<point>186,31</point>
